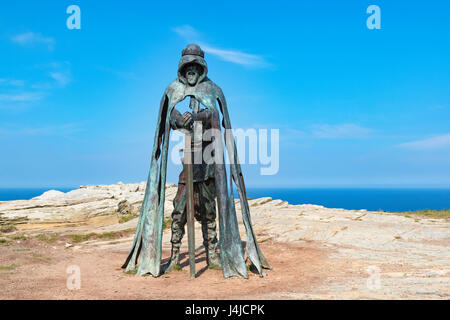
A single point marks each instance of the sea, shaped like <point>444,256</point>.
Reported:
<point>385,199</point>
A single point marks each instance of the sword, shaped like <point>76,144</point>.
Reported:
<point>189,172</point>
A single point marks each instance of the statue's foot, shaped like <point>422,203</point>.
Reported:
<point>174,263</point>
<point>173,266</point>
<point>214,261</point>
<point>213,266</point>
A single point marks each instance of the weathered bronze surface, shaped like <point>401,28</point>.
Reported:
<point>193,82</point>
<point>190,203</point>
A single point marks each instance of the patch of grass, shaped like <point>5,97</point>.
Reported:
<point>134,271</point>
<point>7,228</point>
<point>77,238</point>
<point>359,218</point>
<point>108,235</point>
<point>436,214</point>
<point>40,256</point>
<point>266,239</point>
<point>9,268</point>
<point>19,237</point>
<point>127,218</point>
<point>177,267</point>
<point>48,238</point>
<point>4,242</point>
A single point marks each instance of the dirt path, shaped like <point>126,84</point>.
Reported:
<point>40,273</point>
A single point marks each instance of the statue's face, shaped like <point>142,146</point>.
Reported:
<point>192,74</point>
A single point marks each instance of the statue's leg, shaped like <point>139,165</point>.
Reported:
<point>208,209</point>
<point>177,226</point>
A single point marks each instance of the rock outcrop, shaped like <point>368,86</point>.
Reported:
<point>81,204</point>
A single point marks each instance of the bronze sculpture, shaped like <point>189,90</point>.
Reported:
<point>211,180</point>
<point>203,182</point>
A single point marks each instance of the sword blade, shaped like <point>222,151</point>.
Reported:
<point>189,172</point>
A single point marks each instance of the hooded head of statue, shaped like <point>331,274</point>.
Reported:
<point>192,68</point>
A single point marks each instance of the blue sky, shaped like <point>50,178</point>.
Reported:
<point>355,107</point>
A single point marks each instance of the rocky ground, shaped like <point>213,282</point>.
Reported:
<point>316,252</point>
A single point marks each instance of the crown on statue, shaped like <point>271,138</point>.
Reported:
<point>193,50</point>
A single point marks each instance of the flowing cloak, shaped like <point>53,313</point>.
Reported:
<point>148,237</point>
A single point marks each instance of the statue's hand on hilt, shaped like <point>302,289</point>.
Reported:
<point>187,120</point>
<point>180,121</point>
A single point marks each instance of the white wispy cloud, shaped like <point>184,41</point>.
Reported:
<point>58,76</point>
<point>21,97</point>
<point>118,73</point>
<point>187,32</point>
<point>296,133</point>
<point>61,78</point>
<point>437,142</point>
<point>12,82</point>
<point>16,94</point>
<point>190,34</point>
<point>340,131</point>
<point>437,107</point>
<point>15,101</point>
<point>234,56</point>
<point>63,129</point>
<point>29,38</point>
